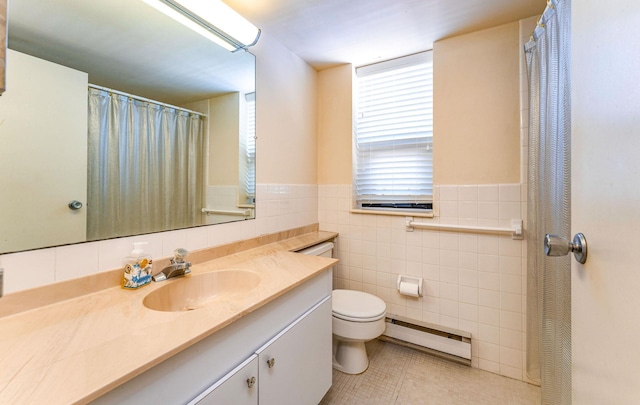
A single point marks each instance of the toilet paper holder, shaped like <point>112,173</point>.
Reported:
<point>410,280</point>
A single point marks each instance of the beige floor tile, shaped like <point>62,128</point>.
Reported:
<point>399,375</point>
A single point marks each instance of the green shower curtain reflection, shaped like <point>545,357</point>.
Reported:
<point>146,165</point>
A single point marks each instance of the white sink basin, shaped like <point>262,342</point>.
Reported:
<point>193,292</point>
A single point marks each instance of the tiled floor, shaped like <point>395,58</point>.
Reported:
<point>399,375</point>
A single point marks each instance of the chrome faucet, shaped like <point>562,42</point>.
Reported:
<point>178,266</point>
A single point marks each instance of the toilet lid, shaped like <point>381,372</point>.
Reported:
<point>357,306</point>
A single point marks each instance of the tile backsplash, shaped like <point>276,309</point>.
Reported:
<point>278,207</point>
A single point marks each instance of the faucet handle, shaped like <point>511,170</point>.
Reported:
<point>179,255</point>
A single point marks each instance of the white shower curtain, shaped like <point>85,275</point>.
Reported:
<point>549,203</point>
<point>145,167</point>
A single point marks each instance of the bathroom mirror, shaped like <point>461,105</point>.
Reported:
<point>58,49</point>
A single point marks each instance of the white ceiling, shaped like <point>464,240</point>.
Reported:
<point>127,45</point>
<point>330,32</point>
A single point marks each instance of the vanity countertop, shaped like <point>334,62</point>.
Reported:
<point>74,350</point>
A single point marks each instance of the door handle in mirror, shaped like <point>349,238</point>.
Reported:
<point>75,205</point>
<point>558,246</point>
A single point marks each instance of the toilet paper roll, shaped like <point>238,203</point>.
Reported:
<point>410,289</point>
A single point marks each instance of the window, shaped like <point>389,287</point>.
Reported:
<point>248,153</point>
<point>393,162</point>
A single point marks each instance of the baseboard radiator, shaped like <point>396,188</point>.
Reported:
<point>449,343</point>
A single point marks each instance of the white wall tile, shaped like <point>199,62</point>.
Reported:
<point>468,312</point>
<point>449,241</point>
<point>449,321</point>
<point>488,245</point>
<point>489,281</point>
<point>489,351</point>
<point>398,252</point>
<point>488,193</point>
<point>511,357</point>
<point>468,278</point>
<point>431,272</point>
<point>510,265</point>
<point>510,302</point>
<point>489,298</point>
<point>511,284</point>
<point>509,193</point>
<point>449,258</point>
<point>468,295</point>
<point>449,209</point>
<point>113,251</point>
<point>511,320</point>
<point>413,253</point>
<point>489,316</point>
<point>468,243</point>
<point>30,269</point>
<point>509,210</point>
<point>449,275</point>
<point>468,209</point>
<point>197,238</point>
<point>489,334</point>
<point>511,339</point>
<point>449,292</point>
<point>77,260</point>
<point>448,193</point>
<point>430,239</point>
<point>468,261</point>
<point>488,210</point>
<point>510,247</point>
<point>489,263</point>
<point>468,193</point>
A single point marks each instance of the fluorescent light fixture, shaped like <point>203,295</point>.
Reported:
<point>212,19</point>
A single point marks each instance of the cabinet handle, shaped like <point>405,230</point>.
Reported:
<point>251,382</point>
<point>271,362</point>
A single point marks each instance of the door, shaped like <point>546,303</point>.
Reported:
<point>43,154</point>
<point>238,387</point>
<point>606,201</point>
<point>295,366</point>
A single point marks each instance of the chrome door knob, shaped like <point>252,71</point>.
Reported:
<point>558,246</point>
<point>75,205</point>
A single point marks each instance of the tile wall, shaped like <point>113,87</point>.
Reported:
<point>221,198</point>
<point>279,207</point>
<point>473,282</point>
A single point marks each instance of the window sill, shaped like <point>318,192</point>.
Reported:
<point>428,214</point>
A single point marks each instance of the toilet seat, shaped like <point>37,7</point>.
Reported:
<point>357,306</point>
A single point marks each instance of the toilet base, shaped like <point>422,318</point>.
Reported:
<point>350,357</point>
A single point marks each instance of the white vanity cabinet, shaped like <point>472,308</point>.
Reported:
<point>294,328</point>
<point>290,368</point>
<point>292,365</point>
<point>239,387</point>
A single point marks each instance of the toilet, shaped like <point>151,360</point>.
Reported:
<point>357,318</point>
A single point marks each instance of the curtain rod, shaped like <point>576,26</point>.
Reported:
<point>133,96</point>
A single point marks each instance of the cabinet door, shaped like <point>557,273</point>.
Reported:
<point>295,366</point>
<point>239,387</point>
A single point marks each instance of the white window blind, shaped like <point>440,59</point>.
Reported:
<point>249,149</point>
<point>394,133</point>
